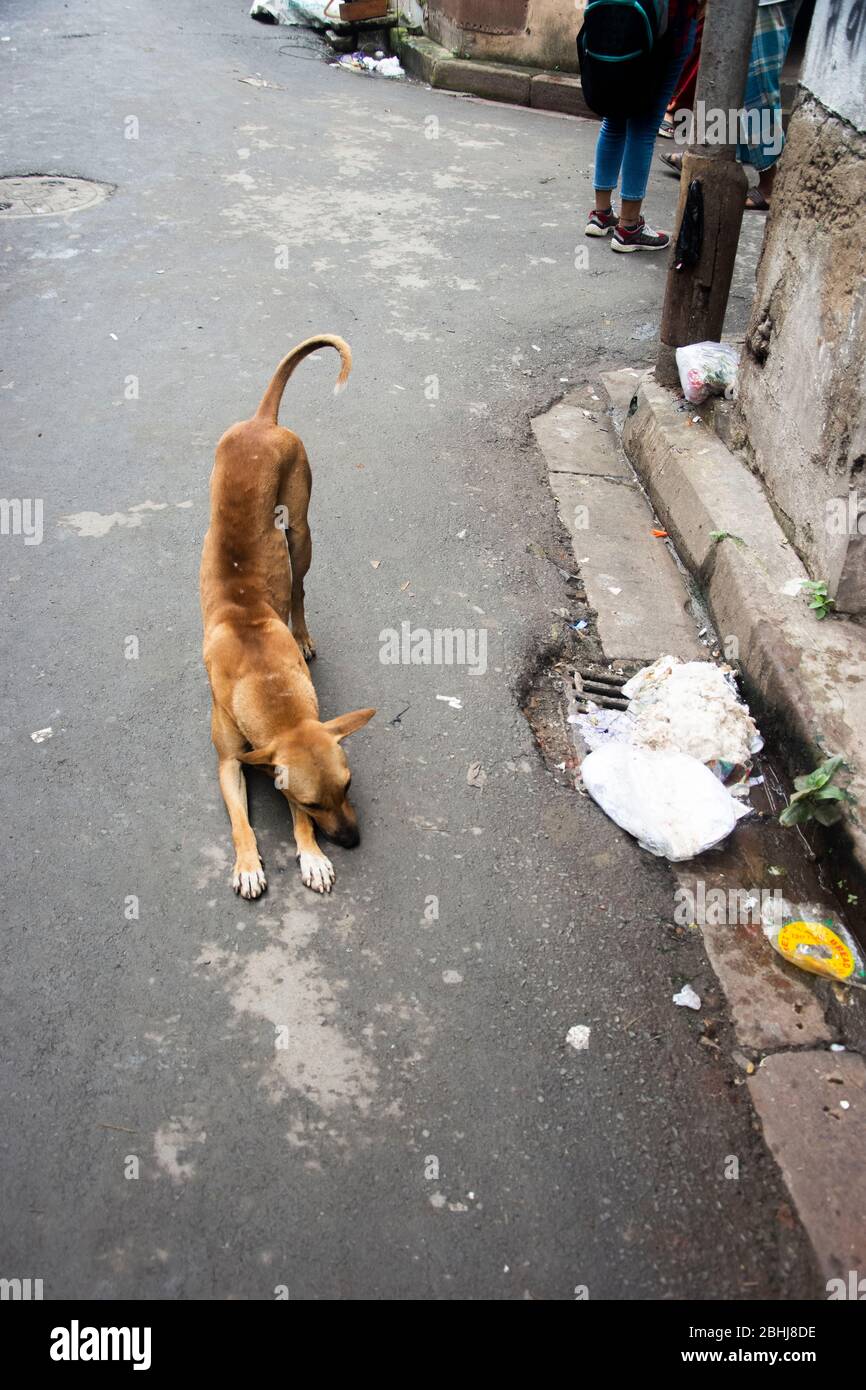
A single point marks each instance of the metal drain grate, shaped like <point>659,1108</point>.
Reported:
<point>593,687</point>
<point>48,195</point>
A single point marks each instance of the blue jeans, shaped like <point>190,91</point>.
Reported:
<point>627,143</point>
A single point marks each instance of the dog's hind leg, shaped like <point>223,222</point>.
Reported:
<point>248,875</point>
<point>317,871</point>
<point>297,500</point>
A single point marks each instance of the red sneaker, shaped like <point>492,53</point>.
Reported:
<point>601,223</point>
<point>640,237</point>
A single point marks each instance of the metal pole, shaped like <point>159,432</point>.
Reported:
<point>696,297</point>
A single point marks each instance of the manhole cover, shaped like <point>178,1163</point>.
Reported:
<point>43,195</point>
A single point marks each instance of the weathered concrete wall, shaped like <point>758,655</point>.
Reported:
<point>835,67</point>
<point>547,39</point>
<point>802,391</point>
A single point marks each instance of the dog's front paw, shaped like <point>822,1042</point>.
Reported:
<point>317,872</point>
<point>250,883</point>
<point>306,644</point>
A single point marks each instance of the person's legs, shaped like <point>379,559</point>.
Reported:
<point>631,233</point>
<point>641,135</point>
<point>609,149</point>
<point>608,159</point>
<point>766,179</point>
<point>758,198</point>
<point>627,145</point>
<point>762,105</point>
<point>761,117</point>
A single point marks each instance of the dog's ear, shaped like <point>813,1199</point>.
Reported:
<point>346,724</point>
<point>258,757</point>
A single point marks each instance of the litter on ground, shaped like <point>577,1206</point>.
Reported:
<point>598,726</point>
<point>707,369</point>
<point>658,766</point>
<point>686,707</point>
<point>476,776</point>
<point>812,937</point>
<point>578,1037</point>
<point>313,12</point>
<point>687,998</point>
<point>693,707</point>
<point>360,62</point>
<point>669,801</point>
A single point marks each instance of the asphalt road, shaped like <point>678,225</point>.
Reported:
<point>369,1095</point>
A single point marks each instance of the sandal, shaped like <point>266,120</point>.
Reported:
<point>756,202</point>
<point>674,162</point>
<point>666,129</point>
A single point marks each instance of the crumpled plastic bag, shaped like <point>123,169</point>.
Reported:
<point>291,12</point>
<point>707,369</point>
<point>670,802</point>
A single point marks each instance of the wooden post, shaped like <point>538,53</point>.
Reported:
<point>696,297</point>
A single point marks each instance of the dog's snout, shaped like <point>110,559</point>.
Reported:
<point>341,830</point>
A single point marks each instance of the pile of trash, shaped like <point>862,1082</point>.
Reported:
<point>673,768</point>
<point>360,62</point>
<point>693,706</point>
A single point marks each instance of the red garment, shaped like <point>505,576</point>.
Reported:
<point>683,98</point>
<point>682,11</point>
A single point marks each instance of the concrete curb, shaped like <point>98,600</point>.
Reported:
<point>610,527</point>
<point>808,1091</point>
<point>812,1106</point>
<point>806,678</point>
<point>521,86</point>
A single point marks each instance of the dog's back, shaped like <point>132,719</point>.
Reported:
<point>260,480</point>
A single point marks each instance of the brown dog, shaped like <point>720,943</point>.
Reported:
<point>256,554</point>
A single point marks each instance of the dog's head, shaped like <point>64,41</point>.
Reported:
<point>312,770</point>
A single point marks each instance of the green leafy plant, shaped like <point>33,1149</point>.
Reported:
<point>815,797</point>
<point>816,589</point>
<point>726,536</point>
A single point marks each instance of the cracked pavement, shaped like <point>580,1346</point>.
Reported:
<point>368,1095</point>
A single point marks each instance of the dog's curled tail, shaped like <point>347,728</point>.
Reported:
<point>270,405</point>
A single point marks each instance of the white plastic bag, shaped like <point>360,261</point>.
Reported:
<point>670,802</point>
<point>294,11</point>
<point>389,67</point>
<point>707,369</point>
